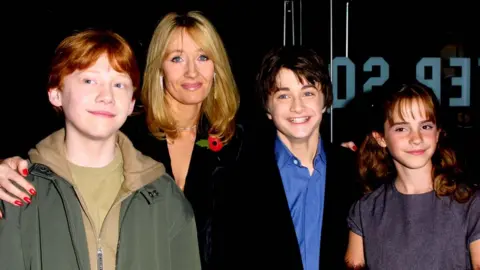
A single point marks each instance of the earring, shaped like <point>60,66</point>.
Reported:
<point>161,82</point>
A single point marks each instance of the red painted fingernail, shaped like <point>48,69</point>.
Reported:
<point>27,199</point>
<point>354,148</point>
<point>32,191</point>
<point>19,203</point>
<point>25,172</point>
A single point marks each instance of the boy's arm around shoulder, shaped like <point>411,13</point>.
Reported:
<point>183,230</point>
<point>346,171</point>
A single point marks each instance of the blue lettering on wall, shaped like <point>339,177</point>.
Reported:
<point>384,72</point>
<point>463,81</point>
<point>428,62</point>
<point>350,68</point>
<point>434,82</point>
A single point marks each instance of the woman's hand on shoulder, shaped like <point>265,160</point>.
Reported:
<point>12,173</point>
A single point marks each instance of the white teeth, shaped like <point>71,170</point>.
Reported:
<point>299,119</point>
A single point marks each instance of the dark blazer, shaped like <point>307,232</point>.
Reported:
<point>262,234</point>
<point>203,187</point>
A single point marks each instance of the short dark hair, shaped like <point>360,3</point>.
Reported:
<point>304,62</point>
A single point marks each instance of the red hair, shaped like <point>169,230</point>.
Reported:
<point>82,50</point>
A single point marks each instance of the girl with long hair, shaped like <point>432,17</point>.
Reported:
<point>417,213</point>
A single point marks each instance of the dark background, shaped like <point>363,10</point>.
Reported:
<point>402,32</point>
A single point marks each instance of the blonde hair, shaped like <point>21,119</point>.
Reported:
<point>219,107</point>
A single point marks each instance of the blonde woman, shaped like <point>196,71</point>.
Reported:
<point>190,100</point>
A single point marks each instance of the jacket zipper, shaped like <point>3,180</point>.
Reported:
<point>99,248</point>
<point>99,258</point>
<point>98,235</point>
<point>119,229</point>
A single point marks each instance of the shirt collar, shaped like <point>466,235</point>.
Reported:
<point>284,156</point>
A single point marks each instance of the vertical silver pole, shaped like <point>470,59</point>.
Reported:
<point>331,66</point>
<point>301,22</point>
<point>346,31</point>
<point>284,22</point>
<point>293,22</point>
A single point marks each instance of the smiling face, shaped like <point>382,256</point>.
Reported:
<point>96,101</point>
<point>188,71</point>
<point>296,108</point>
<point>410,136</point>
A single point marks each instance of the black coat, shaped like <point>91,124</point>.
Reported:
<point>206,175</point>
<point>260,233</point>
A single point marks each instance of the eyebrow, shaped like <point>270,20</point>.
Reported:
<point>406,123</point>
<point>123,74</point>
<point>303,87</point>
<point>181,51</point>
<point>89,71</point>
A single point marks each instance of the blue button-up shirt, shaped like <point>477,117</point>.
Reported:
<point>305,194</point>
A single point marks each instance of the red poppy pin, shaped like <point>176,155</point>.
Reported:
<point>214,143</point>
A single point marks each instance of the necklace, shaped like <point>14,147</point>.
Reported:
<point>186,128</point>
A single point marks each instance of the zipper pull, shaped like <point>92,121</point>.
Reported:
<point>100,259</point>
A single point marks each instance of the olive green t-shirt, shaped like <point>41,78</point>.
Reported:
<point>99,187</point>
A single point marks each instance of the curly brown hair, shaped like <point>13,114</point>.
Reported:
<point>375,163</point>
